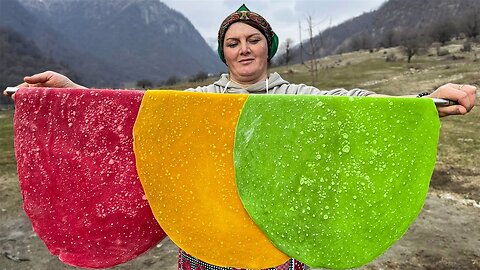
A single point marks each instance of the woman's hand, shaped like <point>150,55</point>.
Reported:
<point>47,79</point>
<point>463,94</point>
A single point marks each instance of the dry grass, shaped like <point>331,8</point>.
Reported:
<point>7,156</point>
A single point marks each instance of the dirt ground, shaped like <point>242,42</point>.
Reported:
<point>446,235</point>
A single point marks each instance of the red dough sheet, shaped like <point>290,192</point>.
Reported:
<point>77,174</point>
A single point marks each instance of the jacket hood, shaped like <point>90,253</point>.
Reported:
<point>274,80</point>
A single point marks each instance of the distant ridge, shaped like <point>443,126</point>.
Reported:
<point>394,15</point>
<point>18,57</point>
<point>53,45</point>
<point>113,42</point>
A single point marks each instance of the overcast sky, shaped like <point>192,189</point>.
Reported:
<point>283,15</point>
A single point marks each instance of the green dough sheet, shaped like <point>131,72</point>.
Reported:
<point>335,181</point>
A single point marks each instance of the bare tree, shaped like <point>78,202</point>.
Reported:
<point>172,80</point>
<point>471,24</point>
<point>443,30</point>
<point>301,41</point>
<point>144,84</point>
<point>412,43</point>
<point>287,51</point>
<point>361,42</point>
<point>312,52</point>
<point>323,39</point>
<point>199,77</point>
<point>390,38</point>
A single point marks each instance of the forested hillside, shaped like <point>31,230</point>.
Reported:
<point>19,56</point>
<point>395,23</point>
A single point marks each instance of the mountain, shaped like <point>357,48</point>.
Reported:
<point>54,45</point>
<point>18,57</point>
<point>393,17</point>
<point>112,42</point>
<point>144,39</point>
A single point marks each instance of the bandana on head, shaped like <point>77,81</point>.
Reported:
<point>243,14</point>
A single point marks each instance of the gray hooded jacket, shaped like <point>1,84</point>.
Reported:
<point>276,85</point>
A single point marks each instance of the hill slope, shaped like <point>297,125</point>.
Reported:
<point>18,57</point>
<point>144,39</point>
<point>373,27</point>
<point>52,44</point>
<point>112,42</point>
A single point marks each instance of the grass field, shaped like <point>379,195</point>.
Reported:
<point>7,155</point>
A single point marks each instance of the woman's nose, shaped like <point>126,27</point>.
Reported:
<point>245,48</point>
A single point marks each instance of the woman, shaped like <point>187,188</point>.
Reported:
<point>246,43</point>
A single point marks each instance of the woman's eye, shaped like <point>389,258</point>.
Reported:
<point>254,41</point>
<point>232,45</point>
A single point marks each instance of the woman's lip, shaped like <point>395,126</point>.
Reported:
<point>246,61</point>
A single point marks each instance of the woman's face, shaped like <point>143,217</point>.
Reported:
<point>246,53</point>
